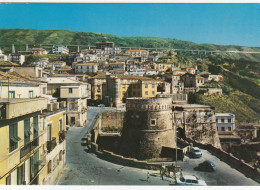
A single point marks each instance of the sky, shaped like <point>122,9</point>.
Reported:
<point>223,24</point>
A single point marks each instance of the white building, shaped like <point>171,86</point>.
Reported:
<point>60,49</point>
<point>112,50</point>
<point>86,68</point>
<point>2,56</point>
<point>225,121</point>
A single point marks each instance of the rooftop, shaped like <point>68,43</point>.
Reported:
<point>224,114</point>
<point>7,63</point>
<point>17,78</point>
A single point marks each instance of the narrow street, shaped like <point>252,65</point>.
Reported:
<point>86,169</point>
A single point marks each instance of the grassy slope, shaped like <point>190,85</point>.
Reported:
<point>233,103</point>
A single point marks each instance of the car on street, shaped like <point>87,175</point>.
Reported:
<point>101,105</point>
<point>189,180</point>
<point>207,166</point>
<point>195,152</point>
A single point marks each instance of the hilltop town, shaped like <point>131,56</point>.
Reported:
<point>134,107</point>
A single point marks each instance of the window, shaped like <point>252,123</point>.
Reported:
<point>30,94</point>
<point>20,175</point>
<point>146,85</point>
<point>72,106</point>
<point>35,127</point>
<point>153,93</point>
<point>13,138</point>
<point>222,120</point>
<point>34,164</point>
<point>60,125</point>
<point>27,131</point>
<point>146,92</point>
<point>222,128</point>
<point>153,122</point>
<point>152,85</point>
<point>229,120</point>
<point>11,94</point>
<point>123,86</point>
<point>229,128</point>
<point>49,166</point>
<point>70,90</point>
<point>8,180</point>
<point>49,132</point>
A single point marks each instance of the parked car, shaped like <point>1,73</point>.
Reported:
<point>195,152</point>
<point>101,105</point>
<point>189,180</point>
<point>207,166</point>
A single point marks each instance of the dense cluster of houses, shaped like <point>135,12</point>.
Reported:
<point>38,100</point>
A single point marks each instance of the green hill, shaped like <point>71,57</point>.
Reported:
<point>36,36</point>
<point>241,72</point>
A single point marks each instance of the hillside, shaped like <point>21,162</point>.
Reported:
<point>241,72</point>
<point>33,36</point>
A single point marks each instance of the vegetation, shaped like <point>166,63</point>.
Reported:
<point>241,72</point>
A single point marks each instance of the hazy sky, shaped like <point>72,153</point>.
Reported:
<point>224,24</point>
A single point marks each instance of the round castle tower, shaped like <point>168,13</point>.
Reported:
<point>147,127</point>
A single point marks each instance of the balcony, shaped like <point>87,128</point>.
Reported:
<point>51,144</point>
<point>62,136</point>
<point>29,147</point>
<point>13,108</point>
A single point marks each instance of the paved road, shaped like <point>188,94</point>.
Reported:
<point>224,175</point>
<point>86,169</point>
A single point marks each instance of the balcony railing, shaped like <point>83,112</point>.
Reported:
<point>51,144</point>
<point>62,136</point>
<point>29,147</point>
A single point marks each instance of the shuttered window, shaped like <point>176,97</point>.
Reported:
<point>20,175</point>
<point>13,137</point>
<point>27,131</point>
<point>8,180</point>
<point>35,127</point>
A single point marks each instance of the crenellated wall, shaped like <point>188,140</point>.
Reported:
<point>147,127</point>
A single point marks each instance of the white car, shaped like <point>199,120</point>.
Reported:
<point>189,180</point>
<point>195,152</point>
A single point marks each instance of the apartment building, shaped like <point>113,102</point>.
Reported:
<point>14,85</point>
<point>53,128</point>
<point>60,49</point>
<point>120,87</point>
<point>21,141</point>
<point>76,99</point>
<point>225,121</point>
<point>86,67</point>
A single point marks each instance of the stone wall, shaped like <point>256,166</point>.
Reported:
<point>147,127</point>
<point>112,121</point>
<point>198,122</point>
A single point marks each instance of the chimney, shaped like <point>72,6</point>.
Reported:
<point>50,107</point>
<point>56,106</point>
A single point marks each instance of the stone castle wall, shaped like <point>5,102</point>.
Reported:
<point>147,127</point>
